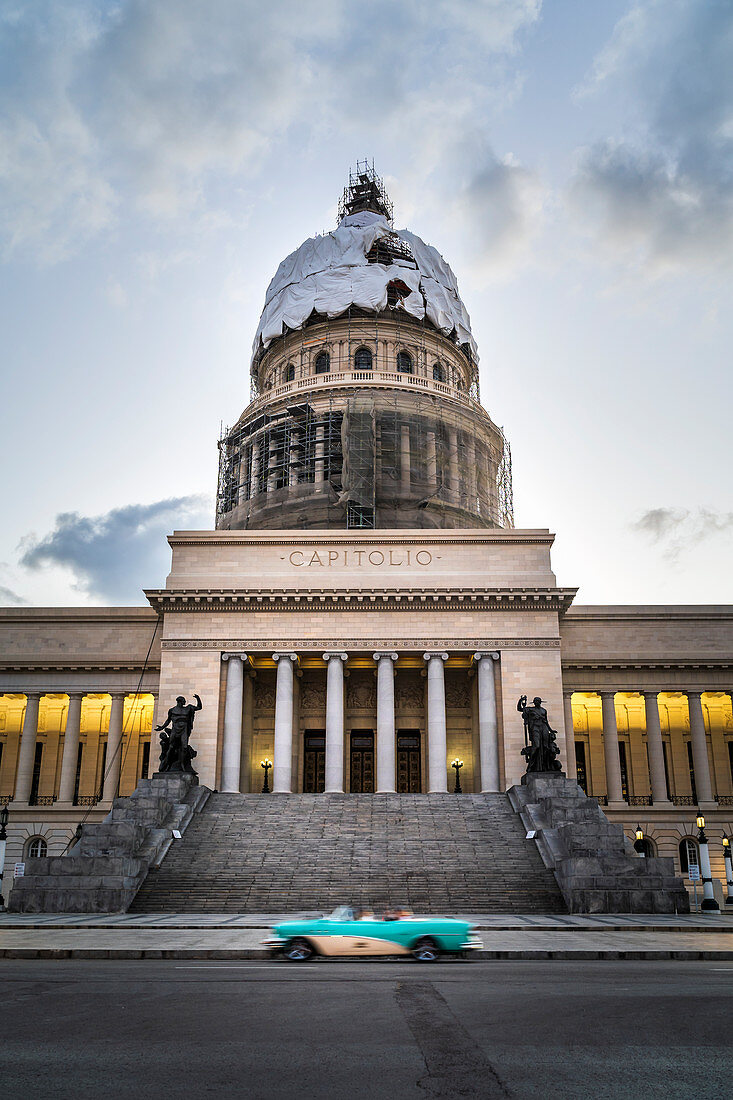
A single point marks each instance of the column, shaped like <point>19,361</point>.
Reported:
<point>319,455</point>
<point>405,458</point>
<point>610,747</point>
<point>455,482</point>
<point>488,724</point>
<point>254,470</point>
<point>113,760</point>
<point>385,722</point>
<point>293,459</point>
<point>231,754</point>
<point>335,722</point>
<point>700,759</point>
<point>272,467</point>
<point>245,765</point>
<point>71,747</point>
<point>283,754</point>
<point>571,767</point>
<point>432,463</point>
<point>437,748</point>
<point>27,751</point>
<point>655,749</point>
<point>471,473</point>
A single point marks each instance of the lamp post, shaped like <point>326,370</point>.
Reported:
<point>709,904</point>
<point>639,841</point>
<point>728,870</point>
<point>266,765</point>
<point>3,845</point>
<point>457,764</point>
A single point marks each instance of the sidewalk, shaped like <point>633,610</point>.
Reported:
<point>231,936</point>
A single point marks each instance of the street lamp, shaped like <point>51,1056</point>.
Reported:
<point>639,841</point>
<point>266,765</point>
<point>457,764</point>
<point>709,904</point>
<point>728,870</point>
<point>3,845</point>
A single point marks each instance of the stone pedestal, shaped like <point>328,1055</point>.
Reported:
<point>595,865</point>
<point>105,869</point>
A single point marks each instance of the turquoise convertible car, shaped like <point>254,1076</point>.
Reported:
<point>347,932</point>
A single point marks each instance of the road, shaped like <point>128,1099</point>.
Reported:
<point>392,1030</point>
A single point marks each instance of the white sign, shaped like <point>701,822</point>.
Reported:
<point>693,873</point>
<point>177,834</point>
<point>531,834</point>
<point>19,870</point>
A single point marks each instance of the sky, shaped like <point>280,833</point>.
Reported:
<point>572,161</point>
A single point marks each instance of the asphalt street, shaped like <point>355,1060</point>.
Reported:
<point>260,1029</point>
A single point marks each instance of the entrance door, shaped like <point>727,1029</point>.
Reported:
<point>408,762</point>
<point>362,762</point>
<point>314,766</point>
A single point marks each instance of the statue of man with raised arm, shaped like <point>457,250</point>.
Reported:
<point>176,754</point>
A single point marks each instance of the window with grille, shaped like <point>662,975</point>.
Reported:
<point>438,372</point>
<point>404,362</point>
<point>323,362</point>
<point>689,854</point>
<point>36,847</point>
<point>290,372</point>
<point>363,359</point>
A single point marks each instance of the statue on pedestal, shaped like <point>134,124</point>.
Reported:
<point>540,741</point>
<point>175,752</point>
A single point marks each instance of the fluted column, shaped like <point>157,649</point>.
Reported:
<point>614,790</point>
<point>471,488</point>
<point>282,767</point>
<point>405,458</point>
<point>231,750</point>
<point>488,723</point>
<point>700,759</point>
<point>27,751</point>
<point>437,746</point>
<point>254,470</point>
<point>385,722</point>
<point>335,722</point>
<point>455,477</point>
<point>71,747</point>
<point>655,749</point>
<point>113,760</point>
<point>571,766</point>
<point>319,463</point>
<point>432,463</point>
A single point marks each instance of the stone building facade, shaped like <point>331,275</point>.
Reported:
<point>365,614</point>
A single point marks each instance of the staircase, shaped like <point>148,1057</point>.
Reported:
<point>282,853</point>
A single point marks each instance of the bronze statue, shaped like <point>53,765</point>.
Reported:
<point>175,752</point>
<point>540,741</point>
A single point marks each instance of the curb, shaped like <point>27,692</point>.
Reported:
<point>580,955</point>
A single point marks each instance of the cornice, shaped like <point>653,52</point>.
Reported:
<point>311,645</point>
<point>408,537</point>
<point>79,666</point>
<point>364,599</point>
<point>653,663</point>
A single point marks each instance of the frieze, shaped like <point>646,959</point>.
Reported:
<point>405,644</point>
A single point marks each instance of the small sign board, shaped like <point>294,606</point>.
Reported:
<point>177,834</point>
<point>693,873</point>
<point>19,870</point>
<point>531,834</point>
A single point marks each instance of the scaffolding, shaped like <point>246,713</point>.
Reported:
<point>365,191</point>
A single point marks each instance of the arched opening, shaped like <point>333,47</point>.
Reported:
<point>289,372</point>
<point>645,847</point>
<point>438,372</point>
<point>36,847</point>
<point>404,362</point>
<point>363,359</point>
<point>323,362</point>
<point>689,854</point>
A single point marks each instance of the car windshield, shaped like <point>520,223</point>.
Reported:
<point>342,912</point>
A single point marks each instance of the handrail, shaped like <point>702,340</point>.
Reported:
<point>358,378</point>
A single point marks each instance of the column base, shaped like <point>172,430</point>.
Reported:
<point>709,905</point>
<point>708,807</point>
<point>661,804</point>
<point>616,805</point>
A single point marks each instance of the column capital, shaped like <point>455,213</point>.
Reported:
<point>75,694</point>
<point>487,653</point>
<point>380,656</point>
<point>693,694</point>
<point>284,656</point>
<point>33,695</point>
<point>335,656</point>
<point>243,657</point>
<point>118,694</point>
<point>607,694</point>
<point>431,656</point>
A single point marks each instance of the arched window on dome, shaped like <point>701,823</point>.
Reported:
<point>289,373</point>
<point>36,847</point>
<point>404,362</point>
<point>689,854</point>
<point>323,362</point>
<point>363,359</point>
<point>438,372</point>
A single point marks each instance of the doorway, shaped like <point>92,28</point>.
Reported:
<point>408,762</point>
<point>361,767</point>
<point>314,762</point>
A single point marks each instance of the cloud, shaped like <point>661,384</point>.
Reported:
<point>8,598</point>
<point>113,556</point>
<point>678,529</point>
<point>146,106</point>
<point>661,190</point>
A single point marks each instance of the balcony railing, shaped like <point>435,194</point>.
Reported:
<point>388,379</point>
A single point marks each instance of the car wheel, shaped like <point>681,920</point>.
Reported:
<point>298,951</point>
<point>425,950</point>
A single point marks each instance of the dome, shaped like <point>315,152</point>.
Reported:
<point>367,264</point>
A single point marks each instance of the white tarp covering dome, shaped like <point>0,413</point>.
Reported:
<point>332,272</point>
